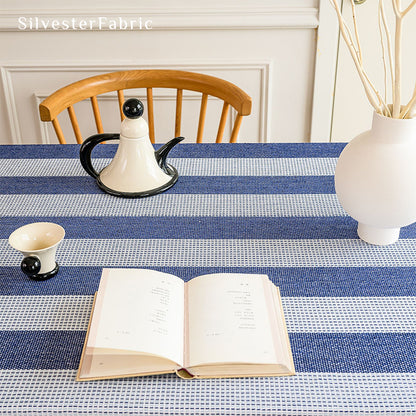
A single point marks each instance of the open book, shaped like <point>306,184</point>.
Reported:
<point>217,325</point>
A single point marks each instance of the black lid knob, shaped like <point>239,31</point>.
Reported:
<point>133,108</point>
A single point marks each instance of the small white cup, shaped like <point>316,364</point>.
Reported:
<point>38,243</point>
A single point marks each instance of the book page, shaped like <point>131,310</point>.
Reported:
<point>228,320</point>
<point>139,310</point>
<point>281,337</point>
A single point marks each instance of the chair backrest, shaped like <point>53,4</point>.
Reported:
<point>89,88</point>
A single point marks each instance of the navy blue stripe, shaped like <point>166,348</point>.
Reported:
<point>36,350</point>
<point>312,352</point>
<point>185,185</point>
<point>249,150</point>
<point>292,281</point>
<point>200,227</point>
<point>354,353</point>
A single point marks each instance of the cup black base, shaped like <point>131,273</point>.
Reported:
<point>45,276</point>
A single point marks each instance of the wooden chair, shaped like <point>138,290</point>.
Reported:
<point>89,88</point>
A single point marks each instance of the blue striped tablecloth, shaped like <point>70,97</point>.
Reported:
<point>350,307</point>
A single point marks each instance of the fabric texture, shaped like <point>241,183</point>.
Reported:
<point>350,307</point>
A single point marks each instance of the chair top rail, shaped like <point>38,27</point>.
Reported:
<point>100,84</point>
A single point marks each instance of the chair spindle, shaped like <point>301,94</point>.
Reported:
<point>151,120</point>
<point>223,121</point>
<point>97,115</point>
<point>58,131</point>
<point>236,128</point>
<point>202,115</point>
<point>75,124</point>
<point>120,95</point>
<point>178,117</point>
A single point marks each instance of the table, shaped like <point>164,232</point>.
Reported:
<point>253,208</point>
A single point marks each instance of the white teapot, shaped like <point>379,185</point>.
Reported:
<point>137,170</point>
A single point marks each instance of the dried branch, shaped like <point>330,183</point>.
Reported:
<point>394,58</point>
<point>397,61</point>
<point>396,8</point>
<point>380,28</point>
<point>388,40</point>
<point>384,109</point>
<point>346,34</point>
<point>383,50</point>
<point>409,7</point>
<point>410,107</point>
<point>354,19</point>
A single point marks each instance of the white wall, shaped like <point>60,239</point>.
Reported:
<point>267,47</point>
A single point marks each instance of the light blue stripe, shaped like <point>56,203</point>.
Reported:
<point>185,166</point>
<point>27,391</point>
<point>172,205</point>
<point>226,253</point>
<point>312,314</point>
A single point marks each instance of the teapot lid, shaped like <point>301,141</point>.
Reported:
<point>133,126</point>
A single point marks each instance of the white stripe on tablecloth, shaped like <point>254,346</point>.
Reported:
<point>303,314</point>
<point>226,253</point>
<point>185,166</point>
<point>176,205</point>
<point>48,313</point>
<point>28,391</point>
<point>350,314</point>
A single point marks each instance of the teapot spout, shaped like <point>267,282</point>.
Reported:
<point>162,153</point>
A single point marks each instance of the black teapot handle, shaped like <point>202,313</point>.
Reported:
<point>86,150</point>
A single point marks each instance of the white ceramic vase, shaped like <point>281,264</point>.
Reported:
<point>375,179</point>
